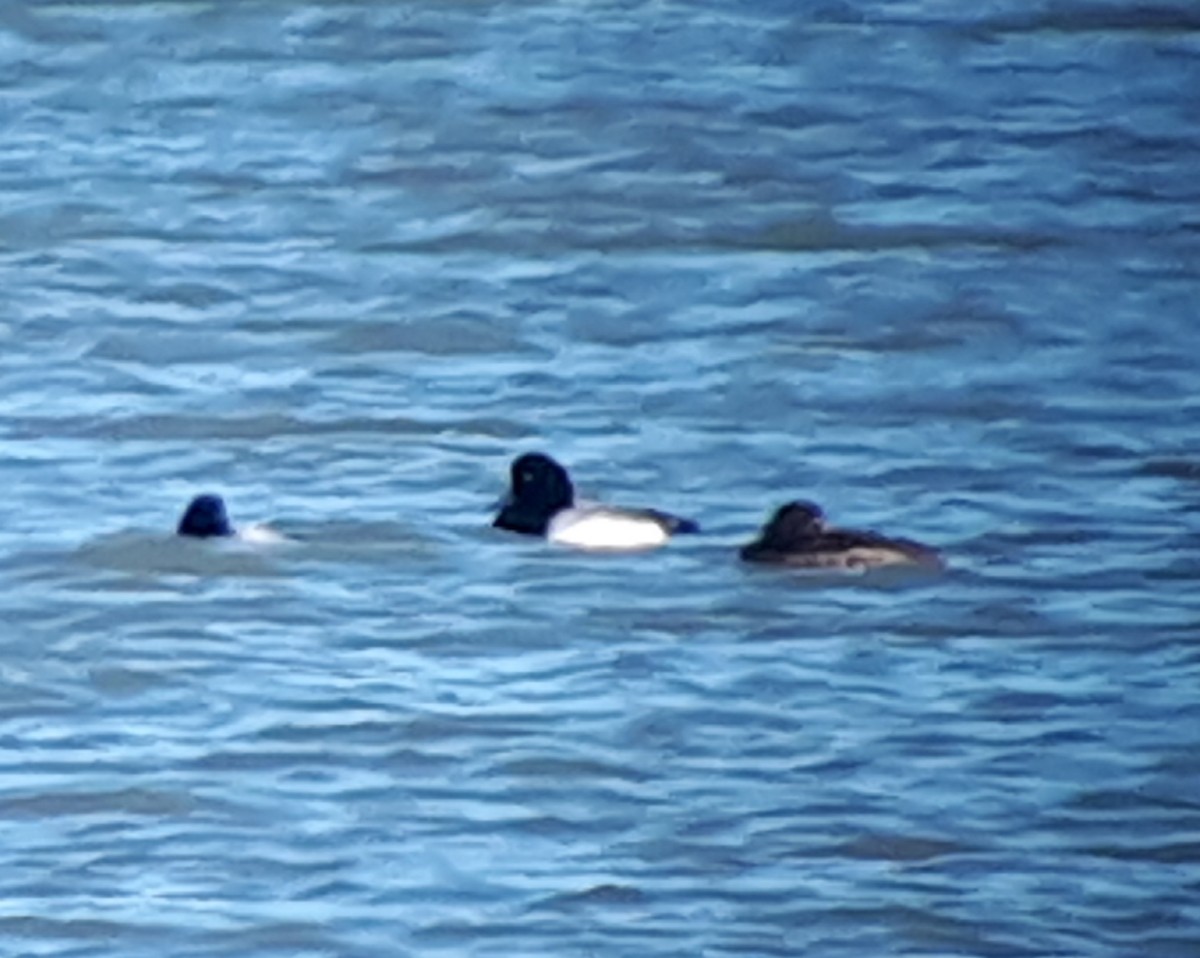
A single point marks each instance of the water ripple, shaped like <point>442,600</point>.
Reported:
<point>932,268</point>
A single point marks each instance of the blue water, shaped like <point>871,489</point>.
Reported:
<point>932,265</point>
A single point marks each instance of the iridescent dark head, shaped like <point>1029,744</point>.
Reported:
<point>204,518</point>
<point>794,522</point>
<point>539,488</point>
<point>538,478</point>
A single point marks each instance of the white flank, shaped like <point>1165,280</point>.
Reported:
<point>605,530</point>
<point>261,534</point>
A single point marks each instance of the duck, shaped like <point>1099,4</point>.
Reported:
<point>541,502</point>
<point>797,535</point>
<point>206,517</point>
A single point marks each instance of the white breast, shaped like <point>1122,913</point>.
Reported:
<point>605,530</point>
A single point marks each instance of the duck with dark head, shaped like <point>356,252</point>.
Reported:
<point>541,502</point>
<point>797,535</point>
<point>207,518</point>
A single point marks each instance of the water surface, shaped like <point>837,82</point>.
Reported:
<point>931,266</point>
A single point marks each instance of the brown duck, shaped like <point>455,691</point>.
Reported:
<point>798,535</point>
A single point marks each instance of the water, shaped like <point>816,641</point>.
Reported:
<point>931,265</point>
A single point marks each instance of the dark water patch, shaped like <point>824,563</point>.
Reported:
<point>1163,853</point>
<point>954,326</point>
<point>448,728</point>
<point>130,801</point>
<point>122,682</point>
<point>825,235</point>
<point>170,347</point>
<point>1185,470</point>
<point>198,296</point>
<point>1076,18</point>
<point>1182,569</point>
<point>598,896</point>
<point>261,759</point>
<point>900,848</point>
<point>74,929</point>
<point>449,336</point>
<point>565,769</point>
<point>264,426</point>
<point>812,236</point>
<point>1111,804</point>
<point>1015,704</point>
